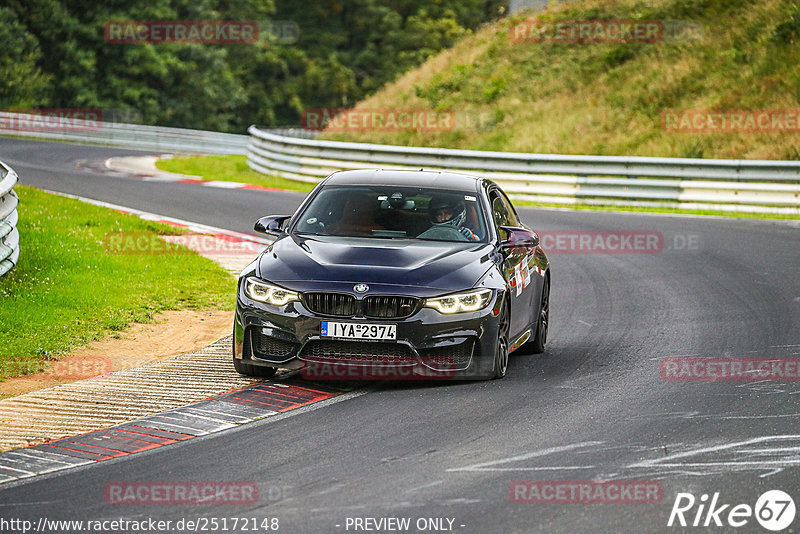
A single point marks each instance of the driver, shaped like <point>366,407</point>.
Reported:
<point>449,212</point>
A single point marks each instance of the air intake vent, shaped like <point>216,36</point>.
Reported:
<point>336,304</point>
<point>389,307</point>
<point>355,352</point>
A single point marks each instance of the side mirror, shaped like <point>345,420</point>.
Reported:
<point>520,237</point>
<point>272,225</point>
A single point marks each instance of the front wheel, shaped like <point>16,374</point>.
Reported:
<point>543,322</point>
<point>501,354</point>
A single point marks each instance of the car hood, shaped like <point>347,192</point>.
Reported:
<point>337,263</point>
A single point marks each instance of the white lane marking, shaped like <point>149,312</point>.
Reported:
<point>673,459</point>
<point>775,416</point>
<point>217,417</point>
<point>733,463</point>
<point>198,434</point>
<point>430,485</point>
<point>23,474</point>
<point>223,185</point>
<point>333,488</point>
<point>460,500</point>
<point>39,465</point>
<point>698,415</point>
<point>548,468</point>
<point>768,451</point>
<point>765,387</point>
<point>682,415</point>
<point>167,179</point>
<point>309,407</point>
<point>486,466</point>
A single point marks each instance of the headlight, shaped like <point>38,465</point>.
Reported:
<point>277,296</point>
<point>469,301</point>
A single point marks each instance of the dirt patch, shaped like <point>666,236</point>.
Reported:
<point>175,332</point>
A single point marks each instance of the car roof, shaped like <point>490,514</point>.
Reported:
<point>420,178</point>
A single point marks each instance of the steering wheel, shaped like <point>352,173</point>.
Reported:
<point>314,225</point>
<point>445,233</point>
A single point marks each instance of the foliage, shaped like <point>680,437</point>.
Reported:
<point>55,56</point>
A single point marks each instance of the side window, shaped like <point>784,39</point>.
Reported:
<point>502,213</point>
<point>513,220</point>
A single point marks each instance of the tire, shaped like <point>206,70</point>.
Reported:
<point>501,354</point>
<point>253,370</point>
<point>537,345</point>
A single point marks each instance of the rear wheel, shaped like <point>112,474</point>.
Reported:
<point>537,346</point>
<point>501,355</point>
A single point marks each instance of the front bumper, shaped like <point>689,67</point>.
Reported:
<point>429,344</point>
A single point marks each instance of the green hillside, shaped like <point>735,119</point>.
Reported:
<point>608,98</point>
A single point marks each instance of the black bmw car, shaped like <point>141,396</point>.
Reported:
<point>394,274</point>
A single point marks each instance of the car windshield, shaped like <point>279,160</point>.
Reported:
<point>394,212</point>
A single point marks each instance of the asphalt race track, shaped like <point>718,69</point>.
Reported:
<point>594,407</point>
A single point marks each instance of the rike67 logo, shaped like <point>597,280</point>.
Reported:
<point>774,510</point>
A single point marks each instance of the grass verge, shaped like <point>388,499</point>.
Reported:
<point>228,169</point>
<point>67,290</point>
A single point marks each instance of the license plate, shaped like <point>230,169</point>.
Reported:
<point>358,331</point>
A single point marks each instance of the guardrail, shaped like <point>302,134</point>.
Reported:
<point>515,6</point>
<point>727,185</point>
<point>123,135</point>
<point>9,236</point>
